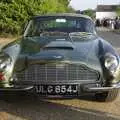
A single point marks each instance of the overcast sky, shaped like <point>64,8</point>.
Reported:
<point>85,4</point>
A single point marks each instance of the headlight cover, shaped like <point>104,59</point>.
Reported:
<point>4,60</point>
<point>111,62</point>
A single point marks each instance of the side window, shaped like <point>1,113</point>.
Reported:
<point>89,26</point>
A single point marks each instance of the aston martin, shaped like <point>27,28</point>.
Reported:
<point>61,55</point>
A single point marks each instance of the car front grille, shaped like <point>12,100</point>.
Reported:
<point>57,72</point>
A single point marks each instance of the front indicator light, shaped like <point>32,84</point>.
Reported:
<point>1,76</point>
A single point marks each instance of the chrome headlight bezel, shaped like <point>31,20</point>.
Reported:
<point>5,60</point>
<point>111,62</point>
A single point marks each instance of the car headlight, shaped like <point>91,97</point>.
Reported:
<point>4,60</point>
<point>111,62</point>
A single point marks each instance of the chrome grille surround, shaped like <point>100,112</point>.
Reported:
<point>57,73</point>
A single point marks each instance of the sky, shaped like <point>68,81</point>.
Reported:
<point>85,4</point>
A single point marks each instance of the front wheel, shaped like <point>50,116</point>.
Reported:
<point>107,96</point>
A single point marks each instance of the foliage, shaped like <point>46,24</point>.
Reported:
<point>118,11</point>
<point>14,13</point>
<point>89,12</point>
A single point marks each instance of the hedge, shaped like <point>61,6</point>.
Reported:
<point>14,13</point>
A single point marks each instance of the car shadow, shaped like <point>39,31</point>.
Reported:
<point>31,107</point>
<point>87,97</point>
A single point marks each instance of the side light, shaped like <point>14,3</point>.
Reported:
<point>1,76</point>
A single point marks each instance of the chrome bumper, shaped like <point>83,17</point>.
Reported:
<point>26,88</point>
<point>84,88</point>
<point>96,88</point>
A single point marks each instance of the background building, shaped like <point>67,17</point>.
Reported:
<point>106,12</point>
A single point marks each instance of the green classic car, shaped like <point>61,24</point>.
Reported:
<point>60,55</point>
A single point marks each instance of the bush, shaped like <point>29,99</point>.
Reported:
<point>14,13</point>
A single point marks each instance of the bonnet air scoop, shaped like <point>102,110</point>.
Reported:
<point>45,57</point>
<point>60,45</point>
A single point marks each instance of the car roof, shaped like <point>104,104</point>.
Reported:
<point>62,15</point>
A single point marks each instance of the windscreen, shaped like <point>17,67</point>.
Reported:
<point>60,24</point>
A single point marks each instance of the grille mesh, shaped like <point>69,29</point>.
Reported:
<point>57,72</point>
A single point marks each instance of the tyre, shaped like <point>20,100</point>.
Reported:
<point>107,96</point>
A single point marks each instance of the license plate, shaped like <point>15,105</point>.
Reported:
<point>57,89</point>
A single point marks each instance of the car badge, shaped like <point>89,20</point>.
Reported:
<point>57,57</point>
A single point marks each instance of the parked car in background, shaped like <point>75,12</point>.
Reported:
<point>61,55</point>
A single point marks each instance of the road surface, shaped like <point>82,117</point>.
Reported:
<point>112,37</point>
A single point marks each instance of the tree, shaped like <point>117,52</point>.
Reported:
<point>14,13</point>
<point>118,11</point>
<point>89,12</point>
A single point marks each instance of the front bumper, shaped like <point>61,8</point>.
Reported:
<point>96,88</point>
<point>85,88</point>
<point>12,89</point>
